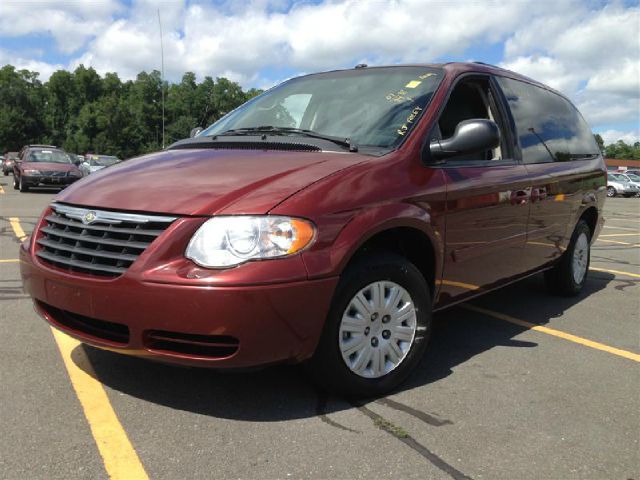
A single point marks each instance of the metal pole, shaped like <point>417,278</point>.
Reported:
<point>161,75</point>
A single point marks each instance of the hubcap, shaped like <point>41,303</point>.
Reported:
<point>377,329</point>
<point>580,258</point>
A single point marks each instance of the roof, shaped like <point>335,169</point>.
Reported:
<point>621,162</point>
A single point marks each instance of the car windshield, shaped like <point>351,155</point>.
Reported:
<point>633,177</point>
<point>369,106</point>
<point>51,156</point>
<point>103,160</point>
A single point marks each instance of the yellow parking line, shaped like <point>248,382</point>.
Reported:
<point>618,242</point>
<point>1,190</point>
<point>10,260</point>
<point>119,456</point>
<point>612,227</point>
<point>556,333</point>
<point>17,228</point>
<point>615,272</point>
<point>620,235</point>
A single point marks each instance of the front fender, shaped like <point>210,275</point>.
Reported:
<point>329,257</point>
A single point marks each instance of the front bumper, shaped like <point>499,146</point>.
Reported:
<point>218,326</point>
<point>49,181</point>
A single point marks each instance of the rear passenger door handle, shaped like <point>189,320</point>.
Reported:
<point>519,197</point>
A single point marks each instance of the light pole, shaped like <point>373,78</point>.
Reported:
<point>161,75</point>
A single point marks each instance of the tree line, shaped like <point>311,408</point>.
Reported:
<point>619,149</point>
<point>81,111</point>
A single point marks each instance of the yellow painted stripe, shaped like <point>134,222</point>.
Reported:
<point>615,272</point>
<point>618,242</point>
<point>556,333</point>
<point>1,190</point>
<point>119,456</point>
<point>10,260</point>
<point>620,235</point>
<point>559,197</point>
<point>620,228</point>
<point>120,459</point>
<point>17,228</point>
<point>452,283</point>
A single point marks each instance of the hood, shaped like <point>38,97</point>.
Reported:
<point>49,166</point>
<point>205,181</point>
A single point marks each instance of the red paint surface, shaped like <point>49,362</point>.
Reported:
<point>481,232</point>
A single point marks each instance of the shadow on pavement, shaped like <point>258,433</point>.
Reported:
<point>285,392</point>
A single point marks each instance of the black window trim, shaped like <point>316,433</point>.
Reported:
<point>505,121</point>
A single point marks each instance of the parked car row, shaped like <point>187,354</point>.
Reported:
<point>50,166</point>
<point>623,184</point>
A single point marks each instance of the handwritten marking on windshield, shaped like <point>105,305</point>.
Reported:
<point>412,116</point>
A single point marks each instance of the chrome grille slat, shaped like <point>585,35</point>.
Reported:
<point>126,257</point>
<point>97,242</point>
<point>102,228</point>
<point>94,239</point>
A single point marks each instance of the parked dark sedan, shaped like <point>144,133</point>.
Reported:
<point>324,221</point>
<point>44,165</point>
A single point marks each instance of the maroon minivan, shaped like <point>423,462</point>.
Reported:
<point>324,221</point>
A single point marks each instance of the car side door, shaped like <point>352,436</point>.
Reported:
<point>557,150</point>
<point>487,196</point>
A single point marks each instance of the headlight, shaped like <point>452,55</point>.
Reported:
<point>227,241</point>
<point>75,173</point>
<point>32,172</point>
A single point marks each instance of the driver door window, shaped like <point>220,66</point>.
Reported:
<point>471,99</point>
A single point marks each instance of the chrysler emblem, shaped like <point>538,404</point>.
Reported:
<point>89,217</point>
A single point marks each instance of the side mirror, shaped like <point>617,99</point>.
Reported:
<point>77,163</point>
<point>195,131</point>
<point>470,136</point>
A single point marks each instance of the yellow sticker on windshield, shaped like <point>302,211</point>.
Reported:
<point>413,84</point>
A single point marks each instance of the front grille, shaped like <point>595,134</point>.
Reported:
<point>212,346</point>
<point>53,173</point>
<point>97,242</point>
<point>113,332</point>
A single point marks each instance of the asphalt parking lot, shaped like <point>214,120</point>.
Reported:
<point>516,385</point>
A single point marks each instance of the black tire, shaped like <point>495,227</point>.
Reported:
<point>560,279</point>
<point>6,174</point>
<point>611,192</point>
<point>16,186</point>
<point>327,365</point>
<point>23,186</point>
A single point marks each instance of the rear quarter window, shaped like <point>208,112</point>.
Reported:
<point>549,127</point>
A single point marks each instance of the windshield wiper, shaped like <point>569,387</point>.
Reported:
<point>269,129</point>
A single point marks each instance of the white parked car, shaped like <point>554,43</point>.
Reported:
<point>633,179</point>
<point>618,184</point>
<point>93,163</point>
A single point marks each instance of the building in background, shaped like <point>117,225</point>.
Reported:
<point>616,164</point>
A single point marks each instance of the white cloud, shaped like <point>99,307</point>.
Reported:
<point>43,68</point>
<point>71,23</point>
<point>612,136</point>
<point>589,52</point>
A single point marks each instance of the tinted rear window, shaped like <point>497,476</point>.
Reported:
<point>549,126</point>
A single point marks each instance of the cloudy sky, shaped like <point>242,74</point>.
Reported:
<point>588,49</point>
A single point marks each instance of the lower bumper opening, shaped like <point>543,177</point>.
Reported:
<point>210,346</point>
<point>99,329</point>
